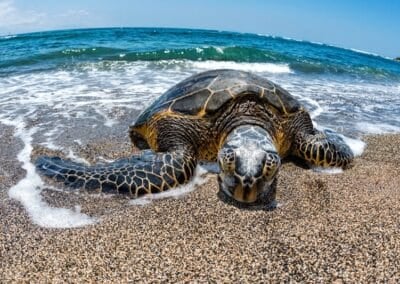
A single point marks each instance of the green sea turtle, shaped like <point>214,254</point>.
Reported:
<point>243,121</point>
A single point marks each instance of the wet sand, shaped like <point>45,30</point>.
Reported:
<point>342,228</point>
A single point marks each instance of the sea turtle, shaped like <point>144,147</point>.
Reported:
<point>243,121</point>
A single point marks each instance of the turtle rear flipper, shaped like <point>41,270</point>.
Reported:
<point>147,172</point>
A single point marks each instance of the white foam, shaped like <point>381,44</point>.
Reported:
<point>329,171</point>
<point>381,128</point>
<point>253,67</point>
<point>318,109</point>
<point>109,122</point>
<point>71,155</point>
<point>198,179</point>
<point>356,145</point>
<point>28,190</point>
<point>50,137</point>
<point>50,144</point>
<point>219,49</point>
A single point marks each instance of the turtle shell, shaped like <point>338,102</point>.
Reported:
<point>205,93</point>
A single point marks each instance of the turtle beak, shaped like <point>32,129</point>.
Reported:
<point>245,193</point>
<point>242,190</point>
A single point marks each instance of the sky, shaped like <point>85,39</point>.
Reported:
<point>368,25</point>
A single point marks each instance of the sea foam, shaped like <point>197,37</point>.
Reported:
<point>329,171</point>
<point>253,67</point>
<point>382,128</point>
<point>28,190</point>
<point>356,145</point>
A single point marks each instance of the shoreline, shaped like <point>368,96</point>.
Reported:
<point>327,228</point>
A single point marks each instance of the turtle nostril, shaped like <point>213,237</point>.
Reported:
<point>247,181</point>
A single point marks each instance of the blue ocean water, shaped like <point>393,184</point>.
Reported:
<point>65,89</point>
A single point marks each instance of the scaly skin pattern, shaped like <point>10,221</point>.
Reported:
<point>318,148</point>
<point>148,172</point>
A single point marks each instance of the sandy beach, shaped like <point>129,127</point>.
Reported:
<point>341,228</point>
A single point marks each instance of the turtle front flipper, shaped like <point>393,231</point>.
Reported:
<point>323,149</point>
<point>147,172</point>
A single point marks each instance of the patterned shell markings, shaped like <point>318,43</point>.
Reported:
<point>206,92</point>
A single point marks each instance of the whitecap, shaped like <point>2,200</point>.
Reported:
<point>219,49</point>
<point>252,67</point>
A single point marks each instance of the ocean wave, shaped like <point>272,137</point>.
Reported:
<point>7,36</point>
<point>201,53</point>
<point>234,53</point>
<point>205,56</point>
<point>70,48</point>
<point>76,55</point>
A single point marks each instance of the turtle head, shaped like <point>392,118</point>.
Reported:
<point>249,164</point>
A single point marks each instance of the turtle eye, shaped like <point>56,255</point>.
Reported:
<point>226,159</point>
<point>271,165</point>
